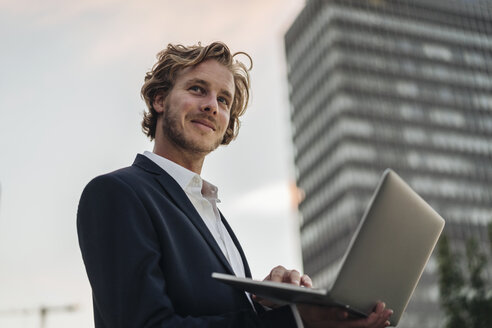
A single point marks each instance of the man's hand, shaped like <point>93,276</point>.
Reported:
<point>281,274</point>
<point>322,316</point>
<point>333,317</point>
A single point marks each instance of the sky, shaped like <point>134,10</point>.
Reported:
<point>70,110</point>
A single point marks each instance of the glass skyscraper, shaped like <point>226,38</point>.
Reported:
<point>404,84</point>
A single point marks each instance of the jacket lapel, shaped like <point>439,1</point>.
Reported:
<point>247,271</point>
<point>174,192</point>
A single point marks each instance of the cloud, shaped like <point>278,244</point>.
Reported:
<point>267,200</point>
<point>126,28</point>
<point>52,12</point>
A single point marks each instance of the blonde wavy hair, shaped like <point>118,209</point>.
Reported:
<point>161,78</point>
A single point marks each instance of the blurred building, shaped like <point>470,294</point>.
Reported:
<point>404,84</point>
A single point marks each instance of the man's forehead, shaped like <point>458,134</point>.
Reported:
<point>208,72</point>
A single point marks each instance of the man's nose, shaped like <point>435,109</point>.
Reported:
<point>210,105</point>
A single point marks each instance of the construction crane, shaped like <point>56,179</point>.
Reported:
<point>42,310</point>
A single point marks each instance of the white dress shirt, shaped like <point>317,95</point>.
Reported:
<point>204,197</point>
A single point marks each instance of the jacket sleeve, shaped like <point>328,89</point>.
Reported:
<point>121,253</point>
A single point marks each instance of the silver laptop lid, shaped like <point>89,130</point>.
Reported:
<point>401,230</point>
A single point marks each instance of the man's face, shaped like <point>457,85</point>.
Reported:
<point>195,113</point>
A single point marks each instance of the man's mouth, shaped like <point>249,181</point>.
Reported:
<point>205,123</point>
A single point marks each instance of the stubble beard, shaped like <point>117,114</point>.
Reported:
<point>177,136</point>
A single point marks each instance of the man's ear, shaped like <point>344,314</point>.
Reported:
<point>159,103</point>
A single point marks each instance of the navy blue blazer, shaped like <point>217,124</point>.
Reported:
<point>149,257</point>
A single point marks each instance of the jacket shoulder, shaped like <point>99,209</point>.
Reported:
<point>126,179</point>
<point>124,175</point>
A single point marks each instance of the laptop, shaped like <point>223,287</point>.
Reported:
<point>383,262</point>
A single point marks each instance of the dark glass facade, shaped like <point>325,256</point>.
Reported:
<point>400,84</point>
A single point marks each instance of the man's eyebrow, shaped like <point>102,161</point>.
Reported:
<point>198,81</point>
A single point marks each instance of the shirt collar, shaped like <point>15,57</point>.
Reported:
<point>188,180</point>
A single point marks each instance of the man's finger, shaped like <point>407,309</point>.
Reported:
<point>379,318</point>
<point>381,315</point>
<point>306,281</point>
<point>380,306</point>
<point>292,277</point>
<point>277,274</point>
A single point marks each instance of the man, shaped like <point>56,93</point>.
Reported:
<point>151,234</point>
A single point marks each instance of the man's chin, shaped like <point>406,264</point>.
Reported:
<point>201,147</point>
<point>192,142</point>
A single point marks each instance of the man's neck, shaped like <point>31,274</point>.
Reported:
<point>192,162</point>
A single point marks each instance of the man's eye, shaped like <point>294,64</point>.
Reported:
<point>222,100</point>
<point>196,88</point>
